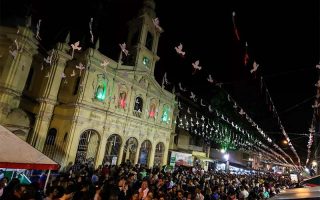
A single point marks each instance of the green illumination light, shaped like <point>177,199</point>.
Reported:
<point>146,61</point>
<point>222,150</point>
<point>101,90</point>
<point>165,114</point>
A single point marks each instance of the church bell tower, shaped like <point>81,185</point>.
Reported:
<point>143,38</point>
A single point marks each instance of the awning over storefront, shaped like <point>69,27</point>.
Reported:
<point>18,154</point>
<point>181,159</point>
<point>205,159</point>
<point>239,166</point>
<point>202,156</point>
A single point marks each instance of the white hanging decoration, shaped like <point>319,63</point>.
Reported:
<point>90,30</point>
<point>156,23</point>
<point>165,79</point>
<point>49,58</point>
<point>210,108</point>
<point>75,46</point>
<point>63,76</point>
<point>210,79</point>
<point>14,52</point>
<point>188,111</point>
<point>196,66</point>
<point>255,67</point>
<point>123,48</point>
<point>179,50</point>
<point>193,96</point>
<point>73,73</point>
<point>105,63</point>
<point>179,105</point>
<point>242,112</point>
<point>38,30</point>
<point>181,88</point>
<point>201,103</point>
<point>80,67</point>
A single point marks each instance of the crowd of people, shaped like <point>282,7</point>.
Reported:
<point>135,182</point>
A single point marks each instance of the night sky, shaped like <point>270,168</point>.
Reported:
<point>282,37</point>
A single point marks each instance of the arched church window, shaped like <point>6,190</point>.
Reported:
<point>149,41</point>
<point>51,137</point>
<point>158,156</point>
<point>101,90</point>
<point>130,150</point>
<point>145,151</point>
<point>138,104</point>
<point>50,148</point>
<point>88,147</point>
<point>112,150</point>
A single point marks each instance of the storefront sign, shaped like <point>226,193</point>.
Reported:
<point>181,159</point>
<point>294,178</point>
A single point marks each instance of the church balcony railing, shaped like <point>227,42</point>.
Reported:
<point>137,113</point>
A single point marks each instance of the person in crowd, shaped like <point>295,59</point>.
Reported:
<point>68,193</point>
<point>143,191</point>
<point>137,182</point>
<point>243,193</point>
<point>2,185</point>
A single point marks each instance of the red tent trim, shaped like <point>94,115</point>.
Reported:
<point>29,166</point>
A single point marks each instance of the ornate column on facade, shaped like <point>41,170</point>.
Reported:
<point>151,156</point>
<point>165,155</point>
<point>136,159</point>
<point>101,151</point>
<point>121,153</point>
<point>48,94</point>
<point>72,146</point>
<point>42,123</point>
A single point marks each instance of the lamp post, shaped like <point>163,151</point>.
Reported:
<point>226,157</point>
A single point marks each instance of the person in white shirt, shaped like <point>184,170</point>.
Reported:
<point>143,191</point>
<point>243,193</point>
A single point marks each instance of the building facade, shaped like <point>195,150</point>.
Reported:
<point>78,105</point>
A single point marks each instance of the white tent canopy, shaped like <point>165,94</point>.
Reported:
<point>18,154</point>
